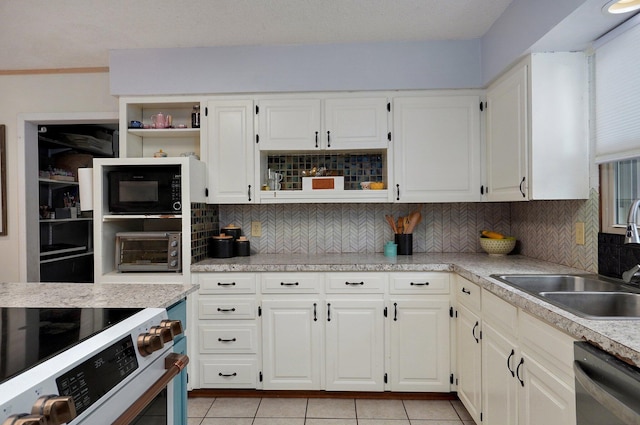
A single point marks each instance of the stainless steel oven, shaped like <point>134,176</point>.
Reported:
<point>120,373</point>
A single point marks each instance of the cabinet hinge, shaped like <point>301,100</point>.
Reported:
<point>257,109</point>
<point>450,311</point>
<point>389,136</point>
<point>206,191</point>
<point>386,378</point>
<point>260,376</point>
<point>451,379</point>
<point>206,111</point>
<point>187,377</point>
<point>481,189</point>
<point>385,312</point>
<point>456,381</point>
<point>480,416</point>
<point>480,334</point>
<point>259,311</point>
<point>483,106</point>
<point>257,138</point>
<point>389,106</point>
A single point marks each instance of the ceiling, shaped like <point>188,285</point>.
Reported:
<point>41,34</point>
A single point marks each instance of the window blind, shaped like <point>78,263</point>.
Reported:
<point>617,94</point>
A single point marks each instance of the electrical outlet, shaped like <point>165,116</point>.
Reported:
<point>256,229</point>
<point>580,233</point>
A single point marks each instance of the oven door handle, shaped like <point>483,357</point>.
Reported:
<point>174,363</point>
<point>623,412</point>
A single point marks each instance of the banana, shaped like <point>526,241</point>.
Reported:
<point>492,235</point>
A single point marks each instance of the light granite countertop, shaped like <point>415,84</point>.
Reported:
<point>85,295</point>
<point>619,337</point>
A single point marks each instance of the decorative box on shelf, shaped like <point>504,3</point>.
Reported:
<point>323,183</point>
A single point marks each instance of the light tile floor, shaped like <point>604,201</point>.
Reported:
<point>325,411</point>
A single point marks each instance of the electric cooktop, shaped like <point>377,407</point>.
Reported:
<point>31,335</point>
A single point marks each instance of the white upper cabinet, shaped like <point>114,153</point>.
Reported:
<point>436,148</point>
<point>358,123</point>
<point>230,155</point>
<point>288,124</point>
<point>299,124</point>
<point>537,130</point>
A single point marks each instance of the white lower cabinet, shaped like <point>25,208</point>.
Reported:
<point>468,347</point>
<point>419,339</point>
<point>527,374</point>
<point>291,344</point>
<point>354,344</point>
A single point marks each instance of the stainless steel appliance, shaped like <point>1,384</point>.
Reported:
<point>149,251</point>
<point>149,189</point>
<point>88,366</point>
<point>606,388</point>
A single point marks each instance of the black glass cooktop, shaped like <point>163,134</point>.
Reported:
<point>31,335</point>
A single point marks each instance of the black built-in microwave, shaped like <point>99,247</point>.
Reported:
<point>146,189</point>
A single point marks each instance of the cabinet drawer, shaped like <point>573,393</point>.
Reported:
<point>226,308</point>
<point>228,338</point>
<point>224,372</point>
<point>468,294</point>
<point>309,283</point>
<point>371,283</point>
<point>227,283</point>
<point>419,283</point>
<point>499,313</point>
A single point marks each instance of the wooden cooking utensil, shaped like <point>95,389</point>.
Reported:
<point>414,218</point>
<point>391,222</point>
<point>400,226</point>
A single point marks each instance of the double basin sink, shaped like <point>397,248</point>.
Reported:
<point>589,296</point>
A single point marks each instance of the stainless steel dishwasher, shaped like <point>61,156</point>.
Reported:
<point>607,389</point>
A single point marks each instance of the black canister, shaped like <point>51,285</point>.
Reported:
<point>232,230</point>
<point>405,243</point>
<point>242,247</point>
<point>221,246</point>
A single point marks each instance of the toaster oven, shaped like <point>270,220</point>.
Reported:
<point>149,251</point>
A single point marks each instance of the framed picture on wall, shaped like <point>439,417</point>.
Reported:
<point>3,182</point>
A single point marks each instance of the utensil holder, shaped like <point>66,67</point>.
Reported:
<point>405,243</point>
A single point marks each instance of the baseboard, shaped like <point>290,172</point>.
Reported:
<point>321,394</point>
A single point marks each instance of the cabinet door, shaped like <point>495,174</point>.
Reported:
<point>355,123</point>
<point>354,345</point>
<point>420,359</point>
<point>230,153</point>
<point>469,361</point>
<point>499,384</point>
<point>437,149</point>
<point>289,124</point>
<point>507,137</point>
<point>544,398</point>
<point>291,344</point>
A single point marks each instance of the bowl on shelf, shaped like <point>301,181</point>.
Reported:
<point>376,185</point>
<point>498,246</point>
<point>365,185</point>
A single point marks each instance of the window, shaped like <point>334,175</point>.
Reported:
<point>620,187</point>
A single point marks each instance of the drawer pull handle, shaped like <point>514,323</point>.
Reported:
<point>328,312</point>
<point>226,310</point>
<point>226,284</point>
<point>226,340</point>
<point>289,283</point>
<point>395,312</point>
<point>315,312</point>
<point>353,283</point>
<point>227,375</point>
<point>473,331</point>
<point>513,352</point>
<point>419,284</point>
<point>466,291</point>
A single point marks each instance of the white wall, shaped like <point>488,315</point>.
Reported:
<point>328,67</point>
<point>31,94</point>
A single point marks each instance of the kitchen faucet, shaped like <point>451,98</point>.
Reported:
<point>632,227</point>
<point>631,273</point>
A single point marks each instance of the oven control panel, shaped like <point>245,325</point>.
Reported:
<point>75,383</point>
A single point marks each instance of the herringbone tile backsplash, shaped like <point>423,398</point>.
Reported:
<point>545,229</point>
